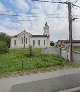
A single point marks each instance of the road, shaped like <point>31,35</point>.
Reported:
<point>42,82</point>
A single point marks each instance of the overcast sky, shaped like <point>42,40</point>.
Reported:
<point>43,12</point>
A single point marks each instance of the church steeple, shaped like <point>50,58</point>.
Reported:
<point>46,29</point>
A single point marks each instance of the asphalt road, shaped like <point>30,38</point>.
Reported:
<point>42,82</point>
<point>49,85</point>
<point>77,91</point>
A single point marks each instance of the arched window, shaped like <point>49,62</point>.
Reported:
<point>22,40</point>
<point>14,42</point>
<point>38,42</point>
<point>26,40</point>
<point>33,42</point>
<point>44,42</point>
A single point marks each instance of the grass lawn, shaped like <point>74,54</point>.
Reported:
<point>17,61</point>
<point>77,49</point>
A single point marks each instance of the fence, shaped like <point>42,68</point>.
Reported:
<point>76,57</point>
<point>63,52</point>
<point>52,50</point>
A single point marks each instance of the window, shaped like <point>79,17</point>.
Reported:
<point>44,42</point>
<point>38,42</point>
<point>26,40</point>
<point>22,40</point>
<point>33,42</point>
<point>14,42</point>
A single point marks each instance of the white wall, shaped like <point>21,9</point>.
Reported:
<point>12,43</point>
<point>47,42</point>
<point>19,40</point>
<point>30,42</point>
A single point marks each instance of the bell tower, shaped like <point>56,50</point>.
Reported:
<point>46,29</point>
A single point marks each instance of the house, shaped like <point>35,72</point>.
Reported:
<point>24,39</point>
<point>65,43</point>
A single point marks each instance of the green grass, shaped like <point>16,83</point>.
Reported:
<point>17,61</point>
<point>77,49</point>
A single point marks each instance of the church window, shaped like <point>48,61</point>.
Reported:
<point>44,42</point>
<point>14,42</point>
<point>33,42</point>
<point>22,40</point>
<point>38,42</point>
<point>26,40</point>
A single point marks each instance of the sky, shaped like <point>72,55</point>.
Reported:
<point>19,15</point>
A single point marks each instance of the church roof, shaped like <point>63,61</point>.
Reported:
<point>24,32</point>
<point>40,36</point>
<point>36,36</point>
<point>15,36</point>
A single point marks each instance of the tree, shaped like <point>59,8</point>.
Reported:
<point>6,38</point>
<point>3,47</point>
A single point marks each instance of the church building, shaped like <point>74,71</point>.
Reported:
<point>24,39</point>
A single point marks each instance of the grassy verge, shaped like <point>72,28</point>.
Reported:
<point>18,62</point>
<point>77,49</point>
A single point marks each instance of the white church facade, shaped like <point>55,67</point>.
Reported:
<point>24,39</point>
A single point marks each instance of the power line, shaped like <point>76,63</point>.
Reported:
<point>76,5</point>
<point>52,14</point>
<point>17,20</point>
<point>59,2</point>
<point>70,22</point>
<point>8,14</point>
<point>40,1</point>
<point>15,15</point>
<point>4,11</point>
<point>14,12</point>
<point>49,15</point>
<point>57,17</point>
<point>76,1</point>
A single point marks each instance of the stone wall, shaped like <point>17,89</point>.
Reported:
<point>52,50</point>
<point>76,57</point>
<point>62,52</point>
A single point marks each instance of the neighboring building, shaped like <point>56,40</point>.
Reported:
<point>65,43</point>
<point>24,39</point>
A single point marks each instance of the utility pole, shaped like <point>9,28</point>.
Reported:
<point>70,31</point>
<point>70,23</point>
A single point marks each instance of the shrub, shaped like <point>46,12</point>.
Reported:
<point>3,47</point>
<point>30,51</point>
